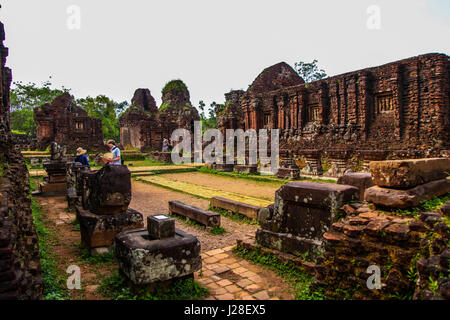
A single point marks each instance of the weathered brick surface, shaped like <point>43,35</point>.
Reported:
<point>144,126</point>
<point>403,105</point>
<point>67,124</point>
<point>20,269</point>
<point>392,243</point>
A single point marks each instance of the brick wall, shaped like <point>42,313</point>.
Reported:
<point>20,269</point>
<point>400,105</point>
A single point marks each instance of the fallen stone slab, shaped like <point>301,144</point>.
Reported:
<point>100,230</point>
<point>207,218</point>
<point>408,173</point>
<point>224,167</point>
<point>144,260</point>
<point>360,180</point>
<point>246,168</point>
<point>245,209</point>
<point>407,198</point>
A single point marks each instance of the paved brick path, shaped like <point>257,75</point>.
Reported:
<point>230,277</point>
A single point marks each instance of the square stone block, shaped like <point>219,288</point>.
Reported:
<point>245,209</point>
<point>100,230</point>
<point>160,226</point>
<point>317,194</point>
<point>360,180</point>
<point>144,260</point>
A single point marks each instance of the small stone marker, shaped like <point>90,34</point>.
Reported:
<point>160,226</point>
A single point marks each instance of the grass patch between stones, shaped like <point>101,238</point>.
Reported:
<point>54,282</point>
<point>115,287</point>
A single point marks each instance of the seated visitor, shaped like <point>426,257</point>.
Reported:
<point>165,147</point>
<point>81,157</point>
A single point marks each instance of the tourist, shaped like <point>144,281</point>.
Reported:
<point>165,147</point>
<point>116,160</point>
<point>170,146</point>
<point>81,157</point>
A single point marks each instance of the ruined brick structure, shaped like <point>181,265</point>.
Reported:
<point>20,269</point>
<point>398,106</point>
<point>66,123</point>
<point>144,126</point>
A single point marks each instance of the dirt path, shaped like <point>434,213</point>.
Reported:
<point>68,251</point>
<point>150,200</point>
<point>251,188</point>
<point>226,275</point>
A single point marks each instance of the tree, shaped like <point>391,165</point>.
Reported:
<point>210,121</point>
<point>24,98</point>
<point>309,71</point>
<point>106,109</point>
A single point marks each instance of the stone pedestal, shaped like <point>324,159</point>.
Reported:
<point>98,231</point>
<point>360,180</point>
<point>55,181</point>
<point>338,160</point>
<point>302,212</point>
<point>371,155</point>
<point>106,194</point>
<point>288,168</point>
<point>313,162</point>
<point>107,191</point>
<point>74,183</point>
<point>149,258</point>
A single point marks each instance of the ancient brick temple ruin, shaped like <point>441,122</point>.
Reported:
<point>403,105</point>
<point>20,268</point>
<point>66,123</point>
<point>144,126</point>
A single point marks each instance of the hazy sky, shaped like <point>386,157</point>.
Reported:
<point>213,46</point>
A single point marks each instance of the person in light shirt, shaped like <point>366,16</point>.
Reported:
<point>116,160</point>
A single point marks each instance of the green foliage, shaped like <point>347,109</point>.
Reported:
<point>210,121</point>
<point>309,71</point>
<point>218,230</point>
<point>433,285</point>
<point>165,107</point>
<point>53,282</point>
<point>116,288</point>
<point>174,86</point>
<point>107,258</point>
<point>24,98</point>
<point>429,205</point>
<point>109,111</point>
<point>301,282</point>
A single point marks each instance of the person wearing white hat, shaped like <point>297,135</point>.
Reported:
<point>116,160</point>
<point>81,157</point>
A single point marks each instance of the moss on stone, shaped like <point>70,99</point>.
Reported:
<point>175,86</point>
